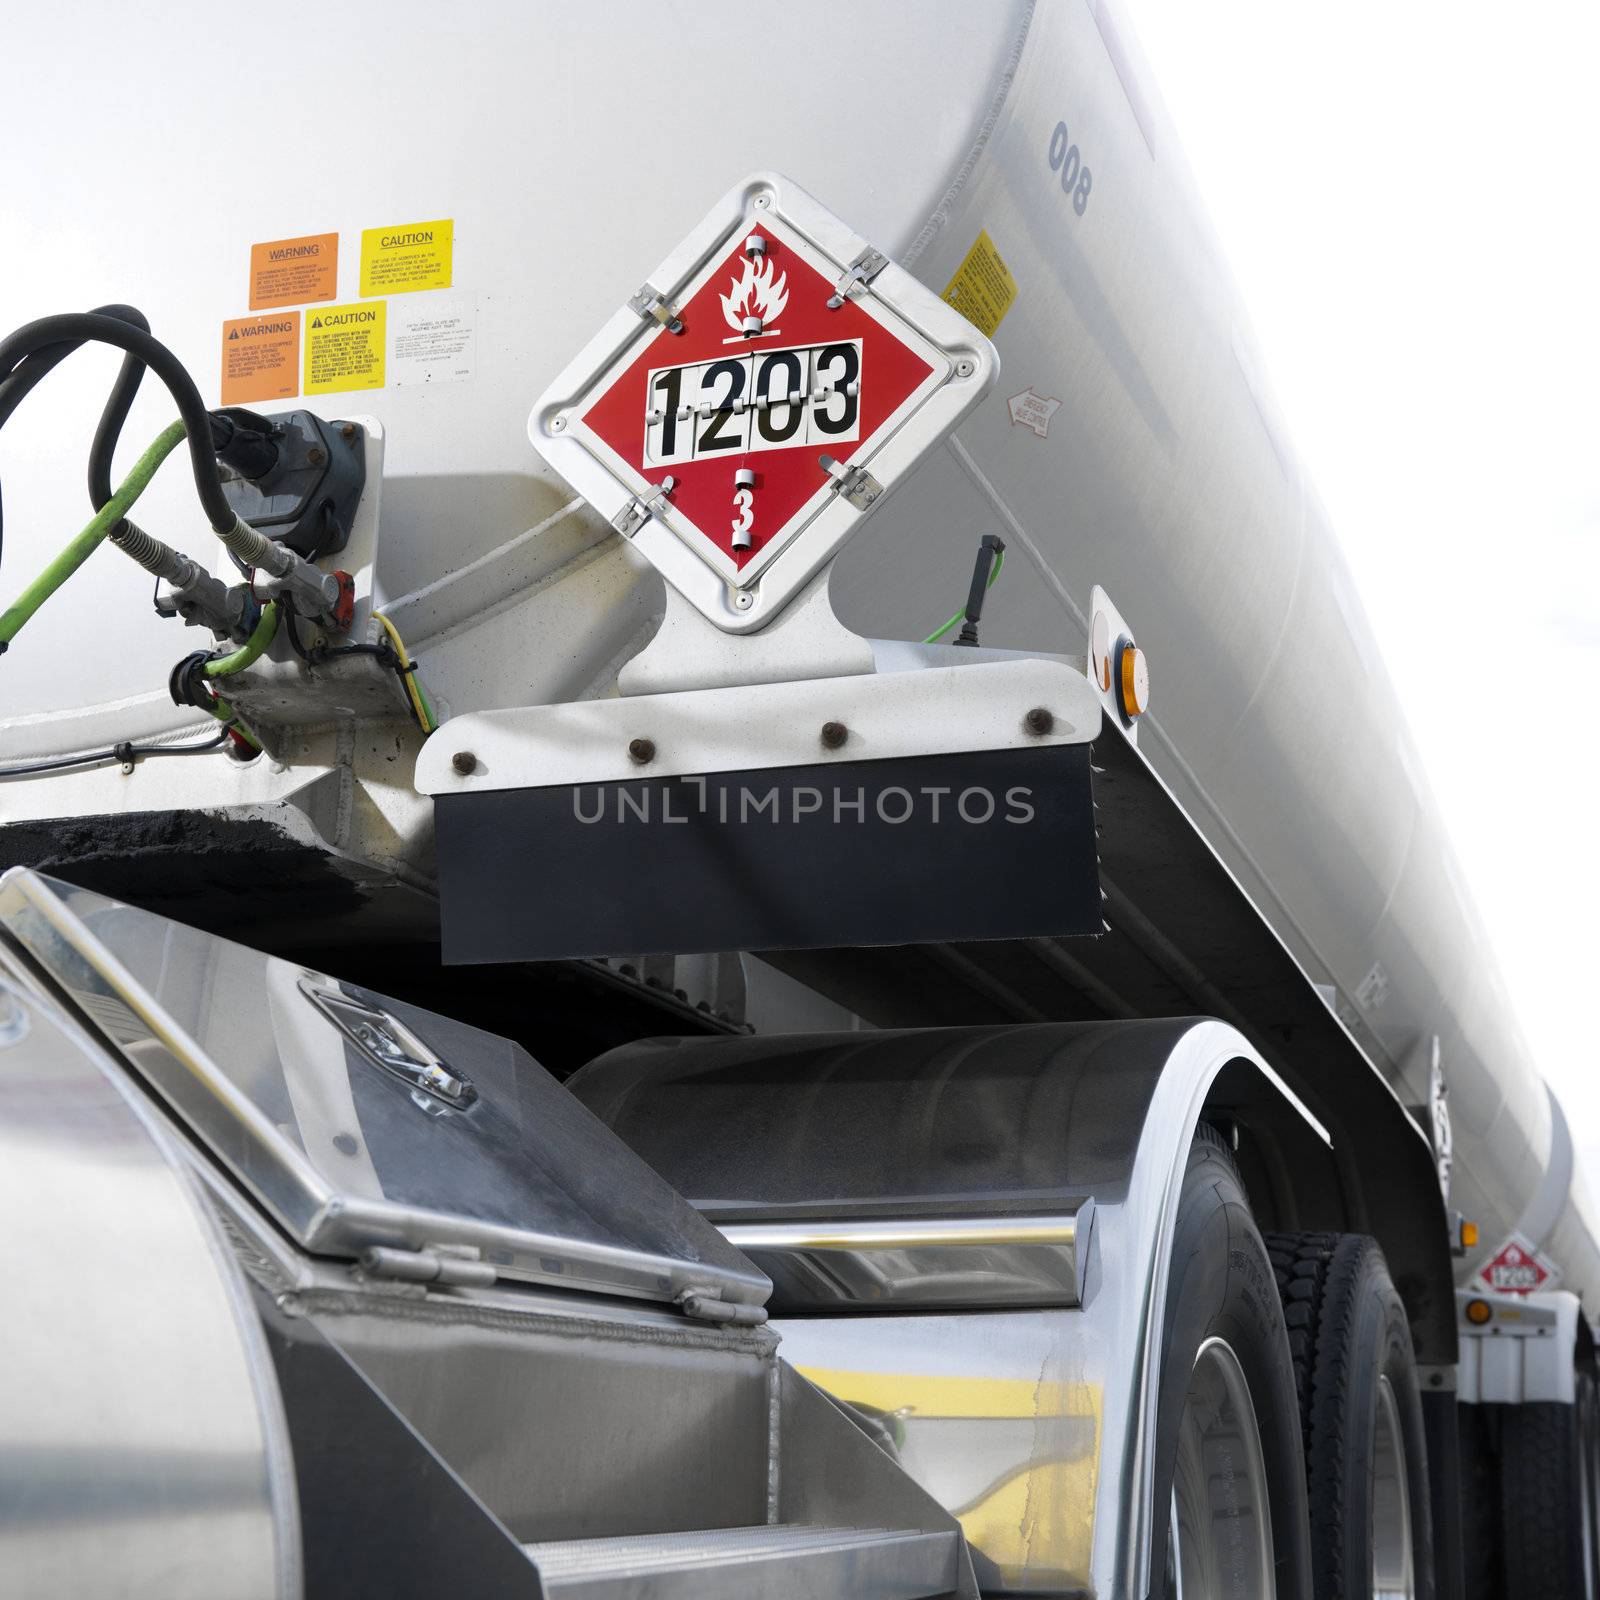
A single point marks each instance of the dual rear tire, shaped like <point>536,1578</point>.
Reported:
<point>1531,1485</point>
<point>1289,1438</point>
<point>1360,1417</point>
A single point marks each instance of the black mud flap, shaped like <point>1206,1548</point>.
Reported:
<point>993,844</point>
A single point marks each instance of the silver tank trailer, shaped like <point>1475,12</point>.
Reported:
<point>1132,441</point>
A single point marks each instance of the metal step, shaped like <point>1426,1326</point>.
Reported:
<point>786,1562</point>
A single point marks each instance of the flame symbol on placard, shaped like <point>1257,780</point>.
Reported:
<point>756,293</point>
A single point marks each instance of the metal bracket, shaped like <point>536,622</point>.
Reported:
<point>651,306</point>
<point>854,484</point>
<point>863,269</point>
<point>636,513</point>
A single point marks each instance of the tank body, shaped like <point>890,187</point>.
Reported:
<point>571,148</point>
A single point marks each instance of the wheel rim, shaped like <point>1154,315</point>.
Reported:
<point>1393,1575</point>
<point>1220,1544</point>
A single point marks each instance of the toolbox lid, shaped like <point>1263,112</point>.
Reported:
<point>357,1121</point>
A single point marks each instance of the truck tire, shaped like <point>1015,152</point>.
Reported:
<point>1542,1513</point>
<point>1230,1501</point>
<point>1589,1457</point>
<point>1480,1504</point>
<point>1366,1461</point>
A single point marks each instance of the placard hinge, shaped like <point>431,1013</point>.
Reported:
<point>637,512</point>
<point>854,484</point>
<point>650,305</point>
<point>863,269</point>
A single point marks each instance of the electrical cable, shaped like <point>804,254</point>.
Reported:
<point>18,383</point>
<point>960,616</point>
<point>83,546</point>
<point>79,327</point>
<point>392,653</point>
<point>236,729</point>
<point>408,676</point>
<point>117,752</point>
<point>264,632</point>
<point>109,429</point>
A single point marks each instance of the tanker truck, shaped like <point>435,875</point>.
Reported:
<point>718,896</point>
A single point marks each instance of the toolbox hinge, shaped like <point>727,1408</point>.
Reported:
<point>706,1305</point>
<point>445,1264</point>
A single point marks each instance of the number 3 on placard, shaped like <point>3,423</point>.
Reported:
<point>746,520</point>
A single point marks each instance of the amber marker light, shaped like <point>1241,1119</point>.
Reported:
<point>1469,1234</point>
<point>1135,681</point>
<point>1479,1312</point>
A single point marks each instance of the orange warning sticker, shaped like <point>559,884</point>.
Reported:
<point>261,358</point>
<point>289,272</point>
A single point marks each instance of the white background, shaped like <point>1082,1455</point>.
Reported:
<point>1409,195</point>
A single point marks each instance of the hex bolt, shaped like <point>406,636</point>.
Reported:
<point>641,750</point>
<point>348,431</point>
<point>464,762</point>
<point>1039,721</point>
<point>315,456</point>
<point>834,735</point>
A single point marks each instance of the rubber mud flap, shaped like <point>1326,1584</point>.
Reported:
<point>788,858</point>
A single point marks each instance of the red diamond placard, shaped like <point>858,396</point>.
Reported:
<point>808,377</point>
<point>765,379</point>
<point>1517,1268</point>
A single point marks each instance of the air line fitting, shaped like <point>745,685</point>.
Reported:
<point>313,593</point>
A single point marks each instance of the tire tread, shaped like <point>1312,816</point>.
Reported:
<point>1539,1537</point>
<point>1319,1278</point>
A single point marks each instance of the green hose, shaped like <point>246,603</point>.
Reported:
<point>82,547</point>
<point>266,630</point>
<point>994,572</point>
<point>223,712</point>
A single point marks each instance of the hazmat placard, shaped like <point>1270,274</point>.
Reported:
<point>431,339</point>
<point>261,358</point>
<point>291,272</point>
<point>983,288</point>
<point>1519,1267</point>
<point>407,256</point>
<point>345,348</point>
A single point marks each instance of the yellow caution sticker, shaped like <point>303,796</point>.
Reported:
<point>411,255</point>
<point>344,348</point>
<point>983,288</point>
<point>289,272</point>
<point>261,358</point>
